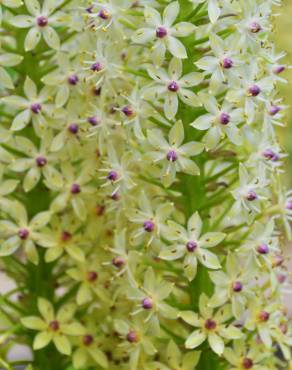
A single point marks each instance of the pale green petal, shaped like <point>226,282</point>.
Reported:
<point>195,225</point>
<point>209,259</point>
<point>170,105</point>
<point>189,97</point>
<point>5,79</point>
<point>76,253</point>
<point>191,79</point>
<point>143,35</point>
<point>33,7</point>
<point>32,39</point>
<point>31,179</point>
<point>190,317</point>
<point>62,95</point>
<point>40,220</point>
<point>9,246</point>
<point>66,312</point>
<point>31,252</point>
<point>212,138</point>
<point>79,358</point>
<point>46,309</point>
<point>21,120</point>
<point>175,69</point>
<point>79,208</point>
<point>22,21</point>
<point>192,148</point>
<point>170,13</point>
<point>195,339</point>
<point>30,89</point>
<point>216,343</point>
<point>190,360</point>
<point>182,29</point>
<point>98,356</point>
<point>203,122</point>
<point>152,17</point>
<point>42,339</point>
<point>52,38</point>
<point>176,47</point>
<point>176,134</point>
<point>33,322</point>
<point>211,239</point>
<point>213,10</point>
<point>62,344</point>
<point>73,329</point>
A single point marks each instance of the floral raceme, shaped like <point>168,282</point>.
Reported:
<point>142,211</point>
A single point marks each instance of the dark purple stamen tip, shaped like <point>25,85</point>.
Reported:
<point>75,189</point>
<point>73,80</point>
<point>87,340</point>
<point>251,195</point>
<point>224,118</point>
<point>132,336</point>
<point>42,21</point>
<point>278,69</point>
<point>263,249</point>
<point>255,27</point>
<point>149,226</point>
<point>237,286</point>
<point>254,90</point>
<point>161,32</point>
<point>41,161</point>
<point>173,86</point>
<point>288,205</point>
<point>118,261</point>
<point>112,175</point>
<point>104,14</point>
<point>227,63</point>
<point>96,67</point>
<point>128,111</point>
<point>210,324</point>
<point>73,128</point>
<point>23,234</point>
<point>172,155</point>
<point>91,276</point>
<point>278,260</point>
<point>94,121</point>
<point>274,109</point>
<point>147,303</point>
<point>36,108</point>
<point>191,246</point>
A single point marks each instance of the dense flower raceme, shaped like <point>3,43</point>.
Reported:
<point>142,212</point>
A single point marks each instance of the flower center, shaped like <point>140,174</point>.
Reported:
<point>161,32</point>
<point>224,118</point>
<point>118,261</point>
<point>237,286</point>
<point>263,249</point>
<point>23,234</point>
<point>132,336</point>
<point>173,86</point>
<point>91,276</point>
<point>227,63</point>
<point>75,189</point>
<point>36,108</point>
<point>191,246</point>
<point>263,316</point>
<point>255,27</point>
<point>172,156</point>
<point>277,260</point>
<point>149,226</point>
<point>41,161</point>
<point>96,67</point>
<point>210,324</point>
<point>254,90</point>
<point>66,236</point>
<point>251,195</point>
<point>247,363</point>
<point>73,128</point>
<point>147,303</point>
<point>42,21</point>
<point>87,340</point>
<point>54,325</point>
<point>104,14</point>
<point>73,80</point>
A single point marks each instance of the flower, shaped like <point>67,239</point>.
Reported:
<point>53,327</point>
<point>191,245</point>
<point>219,121</point>
<point>164,32</point>
<point>211,326</point>
<point>173,156</point>
<point>41,22</point>
<point>21,232</point>
<point>171,86</point>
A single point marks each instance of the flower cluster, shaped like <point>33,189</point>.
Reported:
<point>142,211</point>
